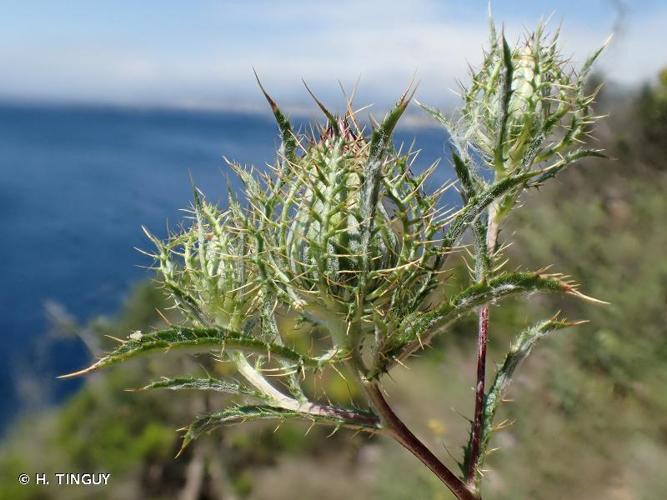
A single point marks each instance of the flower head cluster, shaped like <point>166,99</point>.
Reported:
<point>339,229</point>
<point>342,231</point>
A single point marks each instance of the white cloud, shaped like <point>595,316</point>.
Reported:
<point>382,43</point>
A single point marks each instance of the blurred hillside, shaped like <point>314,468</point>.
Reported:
<point>588,409</point>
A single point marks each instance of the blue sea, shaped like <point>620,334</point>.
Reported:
<point>76,184</point>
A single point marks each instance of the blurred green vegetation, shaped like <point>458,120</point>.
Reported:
<point>588,410</point>
<point>594,399</point>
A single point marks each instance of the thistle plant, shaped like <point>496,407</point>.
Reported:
<point>342,233</point>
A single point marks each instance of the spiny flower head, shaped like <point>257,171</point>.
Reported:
<point>342,224</point>
<point>525,108</point>
<point>203,267</point>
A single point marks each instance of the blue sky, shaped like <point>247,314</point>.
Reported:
<point>200,53</point>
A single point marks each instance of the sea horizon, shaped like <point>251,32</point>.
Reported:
<point>79,181</point>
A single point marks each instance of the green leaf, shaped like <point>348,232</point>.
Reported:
<point>588,64</point>
<point>465,176</point>
<point>206,423</point>
<point>504,106</point>
<point>381,136</point>
<point>379,145</point>
<point>198,384</point>
<point>437,115</point>
<point>566,161</point>
<point>477,204</point>
<point>519,351</point>
<point>332,416</point>
<point>289,142</point>
<point>418,329</point>
<point>333,123</point>
<point>199,338</point>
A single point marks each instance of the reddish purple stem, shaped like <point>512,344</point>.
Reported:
<point>475,442</point>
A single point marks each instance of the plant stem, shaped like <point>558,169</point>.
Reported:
<point>476,435</point>
<point>408,440</point>
<point>348,418</point>
<point>486,248</point>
